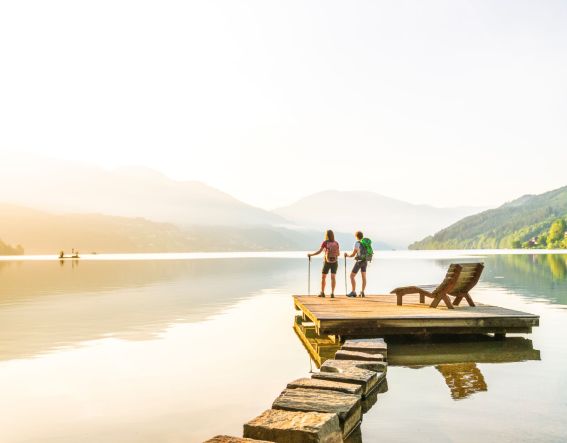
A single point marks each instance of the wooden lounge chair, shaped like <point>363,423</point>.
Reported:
<point>460,279</point>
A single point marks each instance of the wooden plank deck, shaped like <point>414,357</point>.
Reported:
<point>379,315</point>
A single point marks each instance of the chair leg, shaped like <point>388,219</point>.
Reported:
<point>457,300</point>
<point>421,297</point>
<point>399,299</point>
<point>445,298</point>
<point>437,298</point>
<point>469,300</point>
<point>447,301</point>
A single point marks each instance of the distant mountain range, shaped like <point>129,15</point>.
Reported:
<point>45,233</point>
<point>507,226</point>
<point>67,187</point>
<point>395,222</point>
<point>138,209</point>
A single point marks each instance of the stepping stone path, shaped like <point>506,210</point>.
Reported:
<point>313,383</point>
<point>364,373</point>
<point>295,427</point>
<point>357,355</point>
<point>346,406</point>
<point>230,439</point>
<point>328,407</point>
<point>368,345</point>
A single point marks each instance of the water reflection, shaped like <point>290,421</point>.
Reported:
<point>45,305</point>
<point>534,276</point>
<point>455,359</point>
<point>463,379</point>
<point>197,334</point>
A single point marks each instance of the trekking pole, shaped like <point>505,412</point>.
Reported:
<point>345,278</point>
<point>309,277</point>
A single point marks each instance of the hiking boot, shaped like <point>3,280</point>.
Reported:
<point>352,294</point>
<point>362,293</point>
<point>322,294</point>
<point>332,295</point>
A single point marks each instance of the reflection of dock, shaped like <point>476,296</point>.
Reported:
<point>381,316</point>
<point>481,350</point>
<point>319,347</point>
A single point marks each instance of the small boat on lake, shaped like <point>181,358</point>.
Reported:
<point>74,255</point>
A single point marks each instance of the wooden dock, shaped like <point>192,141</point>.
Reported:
<point>380,316</point>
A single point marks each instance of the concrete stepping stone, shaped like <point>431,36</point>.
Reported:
<point>295,427</point>
<point>231,439</point>
<point>346,406</point>
<point>368,345</point>
<point>334,364</point>
<point>363,373</point>
<point>357,355</point>
<point>313,383</point>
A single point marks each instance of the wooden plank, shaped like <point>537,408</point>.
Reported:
<point>313,383</point>
<point>292,426</point>
<point>346,406</point>
<point>379,316</point>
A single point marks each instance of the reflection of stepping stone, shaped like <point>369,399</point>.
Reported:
<point>229,439</point>
<point>290,427</point>
<point>357,355</point>
<point>346,406</point>
<point>368,345</point>
<point>364,373</point>
<point>370,400</point>
<point>313,383</point>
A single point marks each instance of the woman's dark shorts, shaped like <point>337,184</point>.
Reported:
<point>330,267</point>
<point>359,265</point>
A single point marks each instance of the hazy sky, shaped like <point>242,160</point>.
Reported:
<point>440,102</point>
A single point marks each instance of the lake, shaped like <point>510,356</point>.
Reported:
<point>181,347</point>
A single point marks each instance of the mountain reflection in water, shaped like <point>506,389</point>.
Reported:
<point>45,306</point>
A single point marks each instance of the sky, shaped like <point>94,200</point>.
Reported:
<point>440,102</point>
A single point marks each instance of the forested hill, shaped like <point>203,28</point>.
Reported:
<point>524,222</point>
<point>9,250</point>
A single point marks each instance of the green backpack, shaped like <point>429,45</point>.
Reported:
<point>365,252</point>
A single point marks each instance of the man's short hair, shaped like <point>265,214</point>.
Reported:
<point>359,235</point>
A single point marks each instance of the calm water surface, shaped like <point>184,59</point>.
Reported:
<point>177,348</point>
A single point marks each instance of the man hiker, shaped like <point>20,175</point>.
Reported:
<point>330,263</point>
<point>362,253</point>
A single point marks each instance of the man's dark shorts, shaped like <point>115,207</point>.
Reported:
<point>330,267</point>
<point>360,265</point>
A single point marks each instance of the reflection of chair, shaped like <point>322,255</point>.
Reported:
<point>463,379</point>
<point>459,280</point>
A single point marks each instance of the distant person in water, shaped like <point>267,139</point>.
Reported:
<point>362,253</point>
<point>330,263</point>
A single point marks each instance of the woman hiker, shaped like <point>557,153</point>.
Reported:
<point>330,263</point>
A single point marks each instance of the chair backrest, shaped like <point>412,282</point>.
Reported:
<point>468,278</point>
<point>450,279</point>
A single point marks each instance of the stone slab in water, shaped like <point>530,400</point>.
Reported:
<point>295,427</point>
<point>357,355</point>
<point>363,373</point>
<point>313,383</point>
<point>231,439</point>
<point>346,406</point>
<point>334,365</point>
<point>368,345</point>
